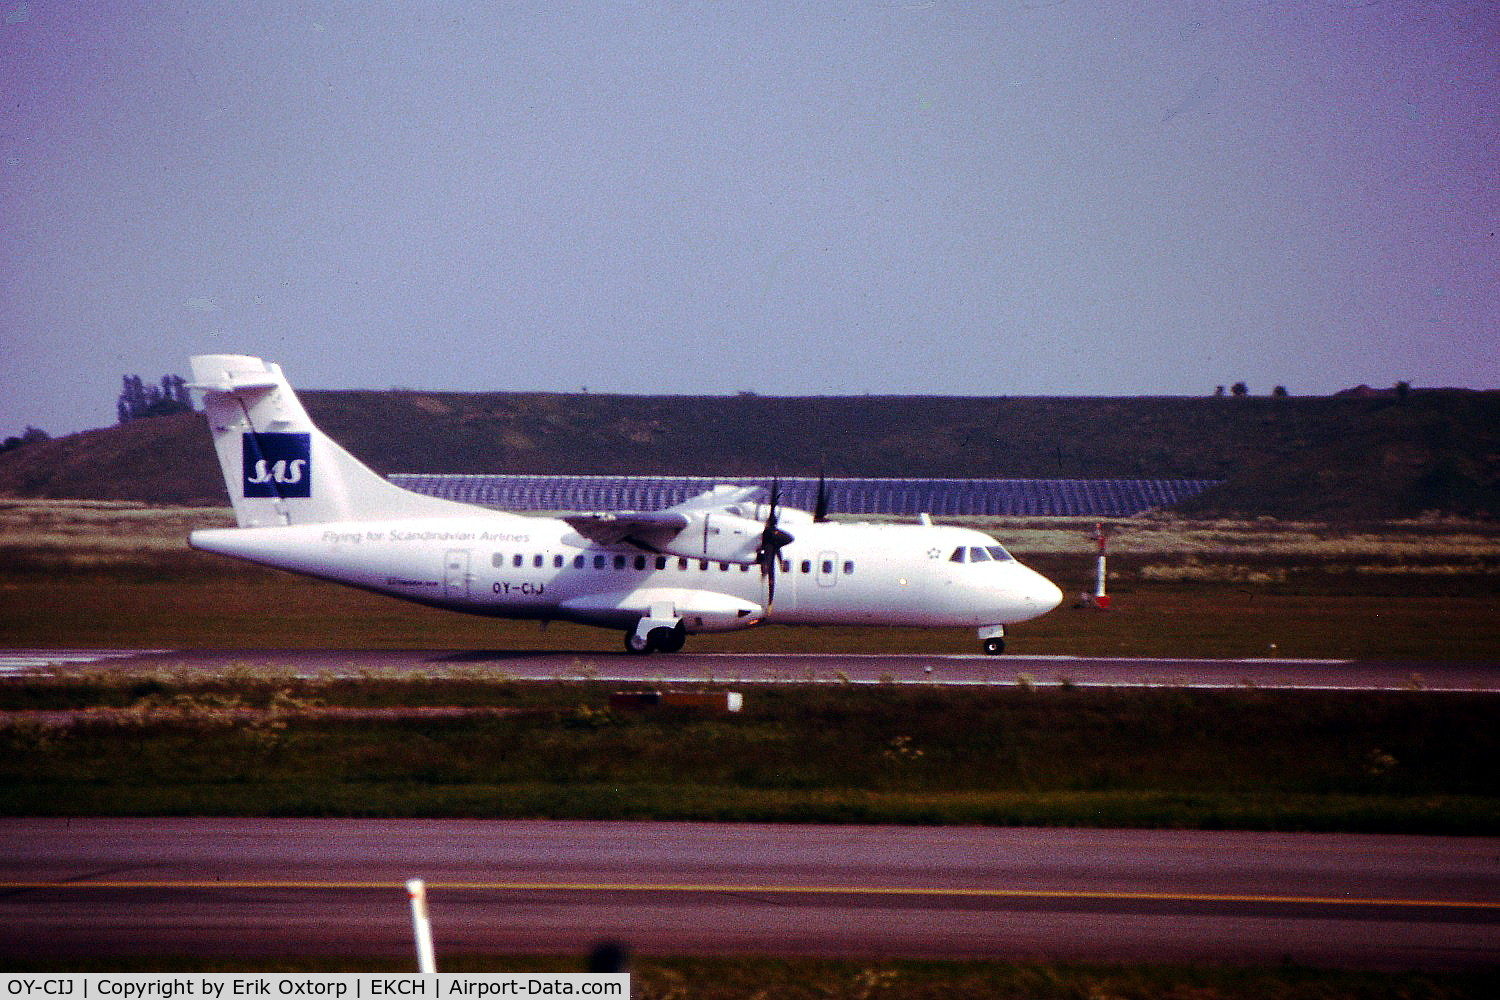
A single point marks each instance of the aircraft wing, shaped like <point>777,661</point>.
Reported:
<point>721,497</point>
<point>651,529</point>
<point>705,526</point>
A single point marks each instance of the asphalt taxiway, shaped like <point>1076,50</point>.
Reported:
<point>237,887</point>
<point>752,668</point>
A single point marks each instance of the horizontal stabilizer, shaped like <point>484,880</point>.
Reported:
<point>236,382</point>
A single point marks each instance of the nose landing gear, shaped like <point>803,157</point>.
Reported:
<point>992,638</point>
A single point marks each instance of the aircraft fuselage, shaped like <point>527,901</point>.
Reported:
<point>511,566</point>
<point>713,563</point>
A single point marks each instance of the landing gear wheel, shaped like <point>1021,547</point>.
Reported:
<point>667,640</point>
<point>662,639</point>
<point>994,647</point>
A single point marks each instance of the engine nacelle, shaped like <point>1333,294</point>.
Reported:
<point>717,537</point>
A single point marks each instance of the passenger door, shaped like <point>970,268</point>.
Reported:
<point>828,569</point>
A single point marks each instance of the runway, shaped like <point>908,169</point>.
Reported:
<point>232,887</point>
<point>770,668</point>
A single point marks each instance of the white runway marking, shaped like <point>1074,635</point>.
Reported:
<point>853,669</point>
<point>29,661</point>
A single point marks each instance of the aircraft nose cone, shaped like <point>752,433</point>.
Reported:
<point>1027,594</point>
<point>1039,594</point>
<point>1048,595</point>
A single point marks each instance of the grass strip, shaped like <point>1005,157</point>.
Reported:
<point>1241,759</point>
<point>1444,815</point>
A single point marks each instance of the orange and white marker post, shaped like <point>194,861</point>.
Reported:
<point>1098,600</point>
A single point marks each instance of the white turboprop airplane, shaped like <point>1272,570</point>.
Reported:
<point>719,562</point>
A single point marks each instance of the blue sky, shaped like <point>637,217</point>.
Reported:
<point>906,197</point>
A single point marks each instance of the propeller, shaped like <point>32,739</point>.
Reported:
<point>820,509</point>
<point>772,541</point>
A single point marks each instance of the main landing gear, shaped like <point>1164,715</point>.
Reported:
<point>657,639</point>
<point>992,637</point>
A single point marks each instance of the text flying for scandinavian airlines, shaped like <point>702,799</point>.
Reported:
<point>324,986</point>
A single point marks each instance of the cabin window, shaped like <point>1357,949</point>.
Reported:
<point>682,562</point>
<point>848,567</point>
<point>744,567</point>
<point>578,562</point>
<point>640,562</point>
<point>557,562</point>
<point>786,565</point>
<point>537,562</point>
<point>827,567</point>
<point>723,567</point>
<point>807,565</point>
<point>619,562</point>
<point>661,562</point>
<point>703,565</point>
<point>598,562</point>
<point>497,560</point>
<point>517,559</point>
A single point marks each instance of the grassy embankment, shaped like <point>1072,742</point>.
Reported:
<point>1331,458</point>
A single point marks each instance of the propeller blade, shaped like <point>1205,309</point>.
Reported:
<point>772,541</point>
<point>767,538</point>
<point>820,509</point>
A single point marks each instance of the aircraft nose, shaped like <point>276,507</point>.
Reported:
<point>1039,594</point>
<point>1027,594</point>
<point>1046,594</point>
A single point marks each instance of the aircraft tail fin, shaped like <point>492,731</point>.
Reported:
<point>278,467</point>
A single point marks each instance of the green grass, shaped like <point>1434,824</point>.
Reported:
<point>228,612</point>
<point>1409,762</point>
<point>120,575</point>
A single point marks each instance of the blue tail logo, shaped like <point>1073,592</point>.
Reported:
<point>278,465</point>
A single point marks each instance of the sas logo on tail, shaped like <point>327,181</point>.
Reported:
<point>278,465</point>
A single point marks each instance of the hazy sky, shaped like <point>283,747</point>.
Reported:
<point>1008,198</point>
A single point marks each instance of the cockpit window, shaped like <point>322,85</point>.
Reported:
<point>977,554</point>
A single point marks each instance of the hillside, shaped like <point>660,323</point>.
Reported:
<point>1344,457</point>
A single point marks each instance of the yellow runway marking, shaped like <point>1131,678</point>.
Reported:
<point>811,890</point>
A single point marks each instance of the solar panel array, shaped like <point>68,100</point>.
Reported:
<point>939,497</point>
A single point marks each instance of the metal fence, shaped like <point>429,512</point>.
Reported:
<point>939,497</point>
